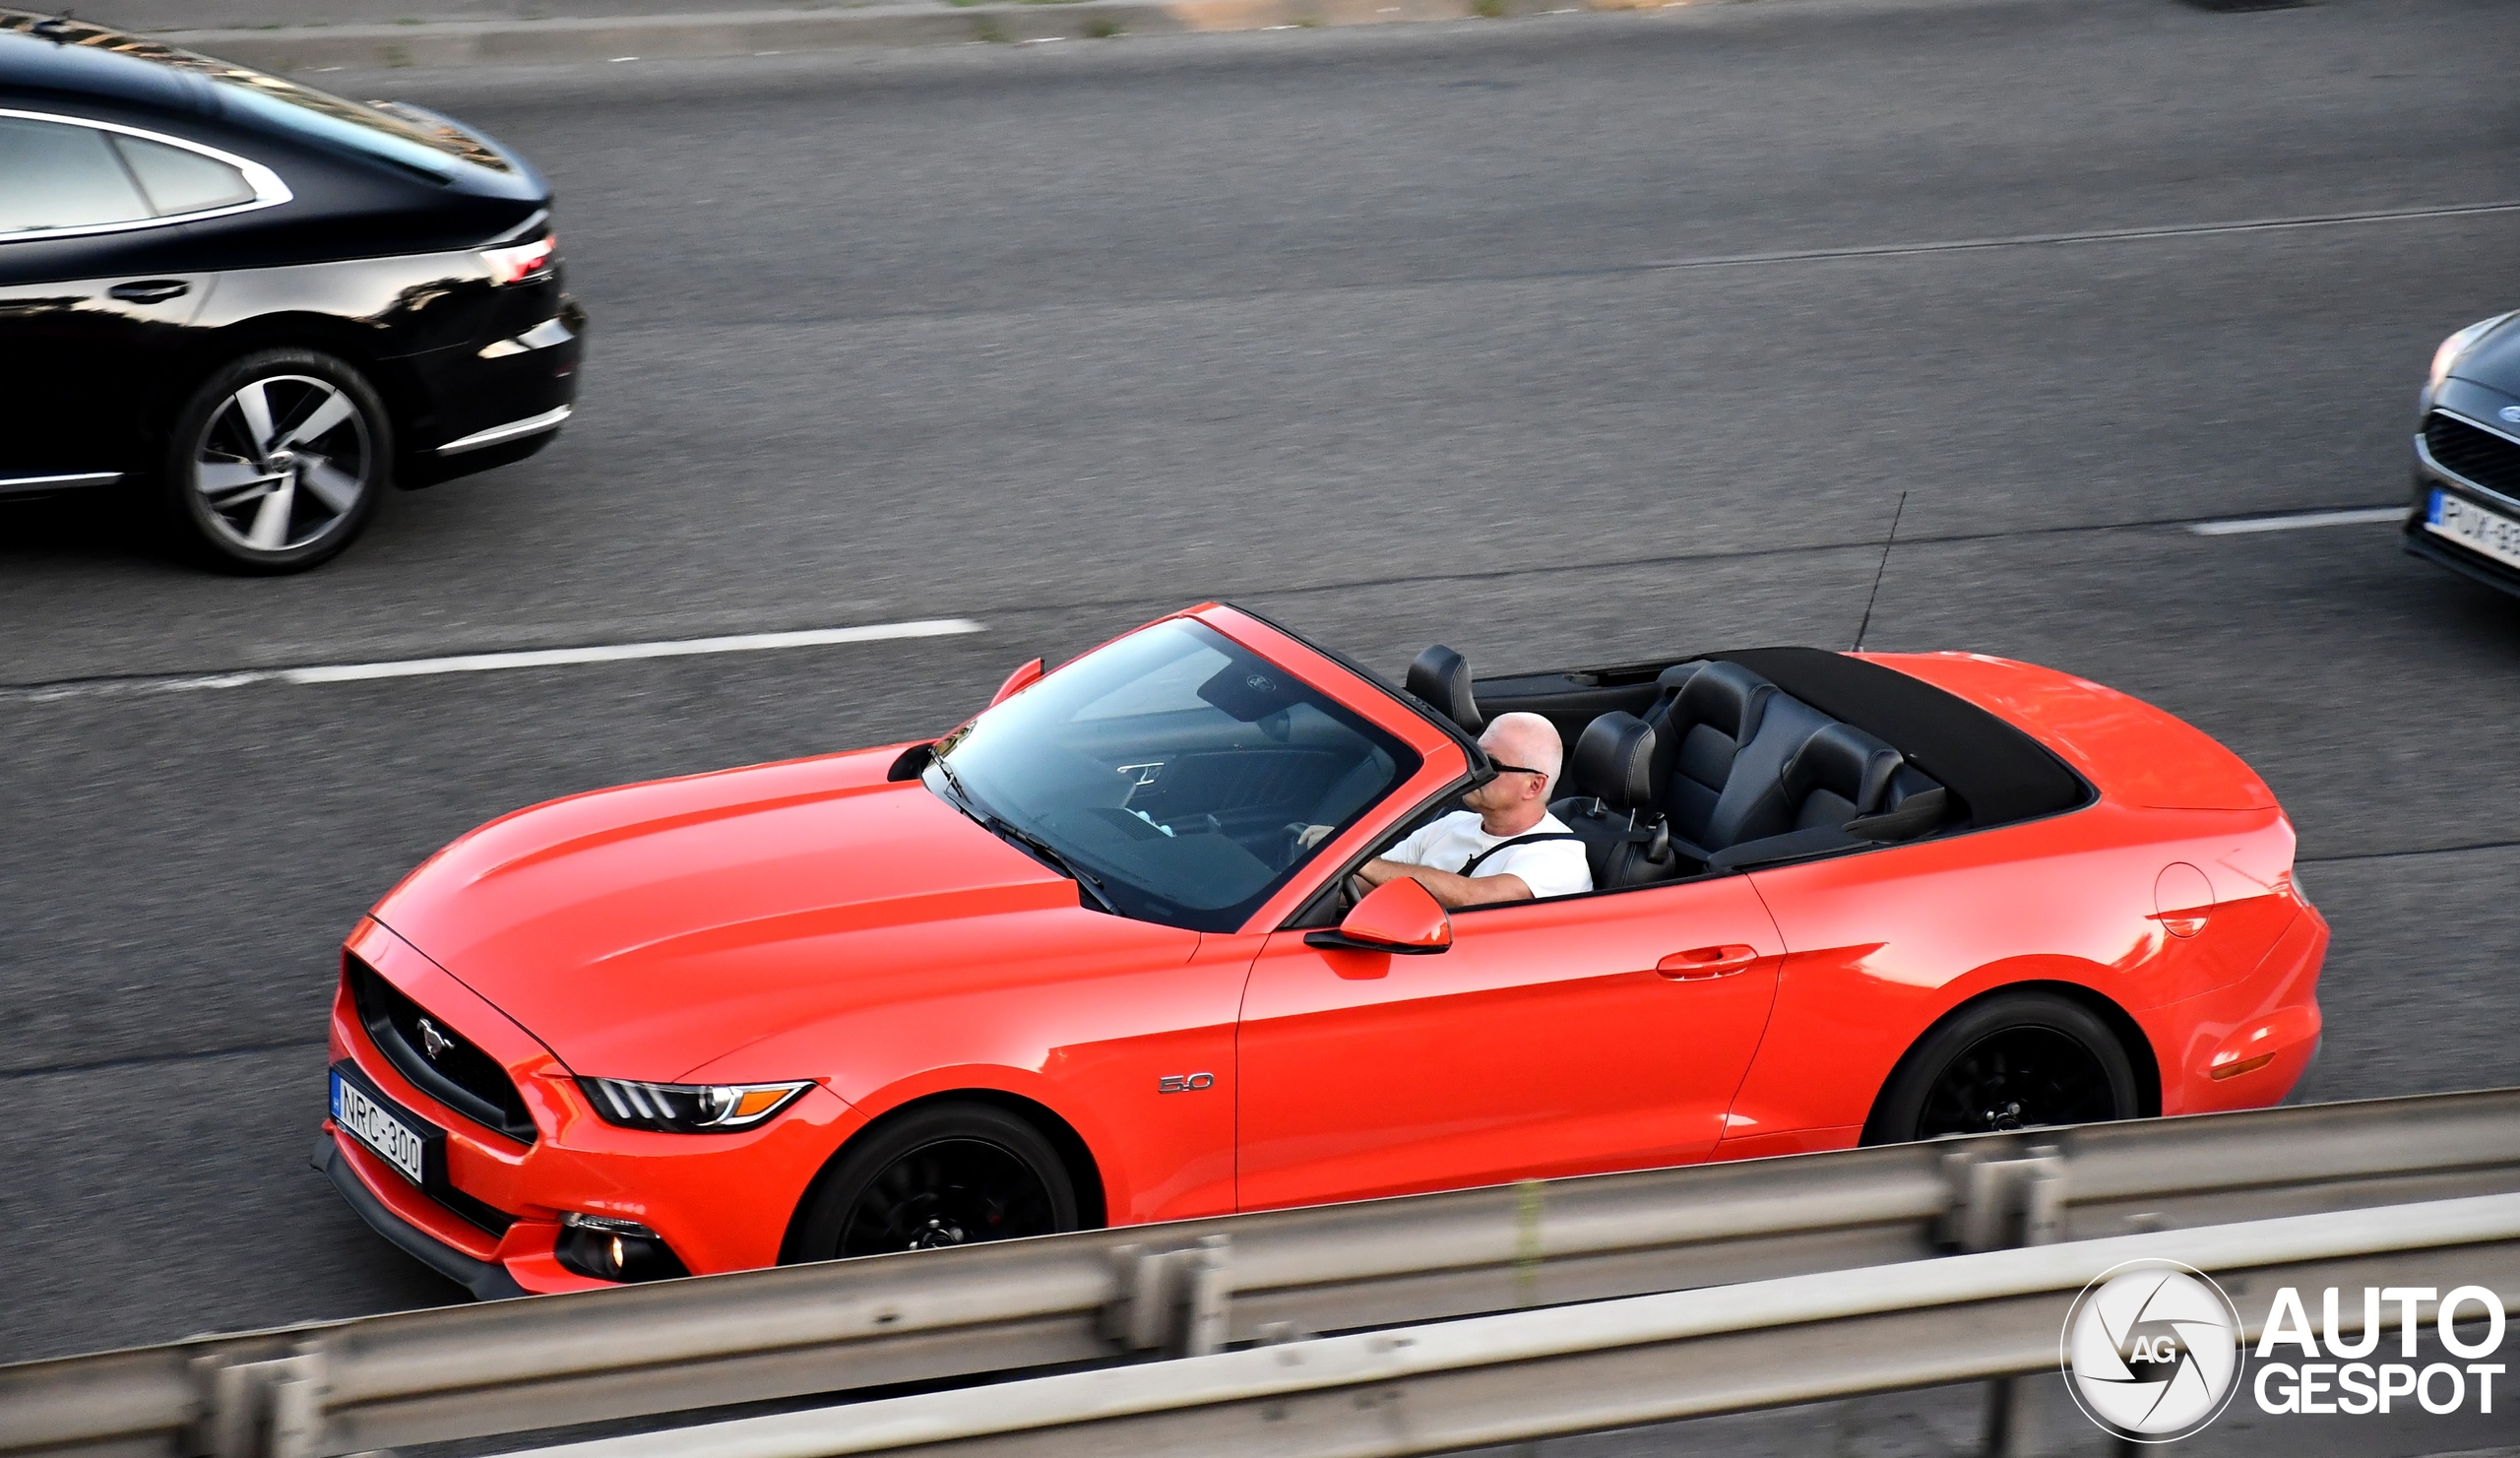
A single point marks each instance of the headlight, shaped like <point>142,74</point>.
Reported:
<point>2446,359</point>
<point>688,1108</point>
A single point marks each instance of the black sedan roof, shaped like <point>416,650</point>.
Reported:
<point>54,57</point>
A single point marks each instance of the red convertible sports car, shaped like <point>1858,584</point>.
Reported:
<point>1101,955</point>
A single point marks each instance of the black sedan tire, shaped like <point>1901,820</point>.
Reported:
<point>2017,1060</point>
<point>277,461</point>
<point>946,1174</point>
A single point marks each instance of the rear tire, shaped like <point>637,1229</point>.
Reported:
<point>945,1174</point>
<point>276,463</point>
<point>2013,1061</point>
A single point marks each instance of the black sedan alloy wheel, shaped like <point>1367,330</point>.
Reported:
<point>277,460</point>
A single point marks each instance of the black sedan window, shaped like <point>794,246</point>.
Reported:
<point>62,176</point>
<point>178,181</point>
<point>1175,769</point>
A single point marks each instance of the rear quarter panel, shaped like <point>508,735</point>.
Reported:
<point>1881,945</point>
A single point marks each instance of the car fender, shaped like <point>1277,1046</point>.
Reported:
<point>1086,1125</point>
<point>1830,1047</point>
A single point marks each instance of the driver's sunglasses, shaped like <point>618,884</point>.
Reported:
<point>1516,769</point>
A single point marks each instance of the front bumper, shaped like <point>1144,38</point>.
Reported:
<point>719,1202</point>
<point>489,1281</point>
<point>2467,403</point>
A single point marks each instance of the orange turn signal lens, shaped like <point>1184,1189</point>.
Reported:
<point>2244,1066</point>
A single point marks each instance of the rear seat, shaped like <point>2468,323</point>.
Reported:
<point>1735,761</point>
<point>1701,723</point>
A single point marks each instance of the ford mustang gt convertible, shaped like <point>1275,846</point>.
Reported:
<point>1099,956</point>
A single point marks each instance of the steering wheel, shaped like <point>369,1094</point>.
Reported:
<point>1352,889</point>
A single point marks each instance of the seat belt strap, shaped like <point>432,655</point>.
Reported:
<point>1471,866</point>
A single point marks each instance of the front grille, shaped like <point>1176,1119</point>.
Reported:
<point>461,1076</point>
<point>2478,456</point>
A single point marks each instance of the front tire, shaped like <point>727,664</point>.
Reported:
<point>946,1174</point>
<point>2013,1061</point>
<point>276,463</point>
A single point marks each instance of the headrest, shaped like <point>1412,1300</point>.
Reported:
<point>1441,677</point>
<point>1614,760</point>
<point>1666,691</point>
<point>1725,697</point>
<point>1846,761</point>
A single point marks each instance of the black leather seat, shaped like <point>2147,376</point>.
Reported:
<point>1839,774</point>
<point>1701,723</point>
<point>1441,677</point>
<point>1841,788</point>
<point>1613,812</point>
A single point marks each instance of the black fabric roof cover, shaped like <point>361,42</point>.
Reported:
<point>2001,772</point>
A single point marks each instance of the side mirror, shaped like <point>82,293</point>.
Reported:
<point>1399,915</point>
<point>1016,682</point>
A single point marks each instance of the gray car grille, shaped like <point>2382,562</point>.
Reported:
<point>2478,456</point>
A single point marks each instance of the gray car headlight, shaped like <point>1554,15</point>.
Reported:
<point>688,1108</point>
<point>2446,357</point>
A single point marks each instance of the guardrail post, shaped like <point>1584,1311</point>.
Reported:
<point>267,1409</point>
<point>1997,1204</point>
<point>1174,1301</point>
<point>1211,1289</point>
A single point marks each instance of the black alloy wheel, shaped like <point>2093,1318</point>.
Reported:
<point>947,1174</point>
<point>2016,1061</point>
<point>276,461</point>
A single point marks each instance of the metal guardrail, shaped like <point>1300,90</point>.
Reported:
<point>1477,1381</point>
<point>1192,1288</point>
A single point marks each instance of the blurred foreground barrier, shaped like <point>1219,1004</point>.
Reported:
<point>1193,1288</point>
<point>1483,1380</point>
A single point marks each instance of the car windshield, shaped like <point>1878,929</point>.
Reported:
<point>1176,768</point>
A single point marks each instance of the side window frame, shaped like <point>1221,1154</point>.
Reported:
<point>269,190</point>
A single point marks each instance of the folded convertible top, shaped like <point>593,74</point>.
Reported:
<point>2001,772</point>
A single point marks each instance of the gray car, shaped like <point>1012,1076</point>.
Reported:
<point>2467,456</point>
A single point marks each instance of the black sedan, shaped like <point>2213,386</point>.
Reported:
<point>254,305</point>
<point>2467,456</point>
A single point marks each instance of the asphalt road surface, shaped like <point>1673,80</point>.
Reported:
<point>1562,340</point>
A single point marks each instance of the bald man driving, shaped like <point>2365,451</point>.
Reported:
<point>1506,846</point>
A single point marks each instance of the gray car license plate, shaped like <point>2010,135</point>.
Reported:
<point>381,1128</point>
<point>2472,526</point>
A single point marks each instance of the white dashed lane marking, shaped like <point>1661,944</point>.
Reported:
<point>484,663</point>
<point>2358,515</point>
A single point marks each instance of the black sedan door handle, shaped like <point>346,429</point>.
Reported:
<point>151,291</point>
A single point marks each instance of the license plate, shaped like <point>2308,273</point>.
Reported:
<point>2485,533</point>
<point>380,1128</point>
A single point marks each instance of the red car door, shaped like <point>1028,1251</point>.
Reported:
<point>1552,1037</point>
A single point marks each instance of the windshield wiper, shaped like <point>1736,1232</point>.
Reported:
<point>1057,863</point>
<point>960,799</point>
<point>1035,843</point>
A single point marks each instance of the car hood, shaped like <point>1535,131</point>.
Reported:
<point>644,932</point>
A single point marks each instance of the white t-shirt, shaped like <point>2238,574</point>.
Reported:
<point>1549,867</point>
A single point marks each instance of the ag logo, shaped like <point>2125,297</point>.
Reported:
<point>2151,1351</point>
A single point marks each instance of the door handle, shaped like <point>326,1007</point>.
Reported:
<point>1701,962</point>
<point>151,291</point>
